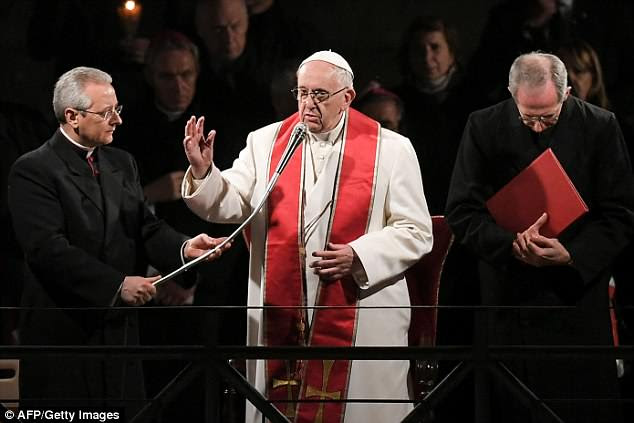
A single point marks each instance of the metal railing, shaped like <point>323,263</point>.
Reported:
<point>480,359</point>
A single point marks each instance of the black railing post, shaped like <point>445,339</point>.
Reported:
<point>212,387</point>
<point>482,389</point>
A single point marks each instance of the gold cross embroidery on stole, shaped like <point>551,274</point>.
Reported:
<point>323,394</point>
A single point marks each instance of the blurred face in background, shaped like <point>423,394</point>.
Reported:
<point>430,56</point>
<point>173,76</point>
<point>582,82</point>
<point>223,26</point>
<point>385,111</point>
<point>582,71</point>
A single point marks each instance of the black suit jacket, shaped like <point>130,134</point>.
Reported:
<point>588,142</point>
<point>495,147</point>
<point>81,237</point>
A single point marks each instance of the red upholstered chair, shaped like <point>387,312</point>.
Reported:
<point>423,282</point>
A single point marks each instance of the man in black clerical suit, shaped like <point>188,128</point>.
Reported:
<point>79,215</point>
<point>528,269</point>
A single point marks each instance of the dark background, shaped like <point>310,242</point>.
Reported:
<point>366,32</point>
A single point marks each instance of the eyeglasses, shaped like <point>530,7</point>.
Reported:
<point>546,120</point>
<point>107,114</point>
<point>318,96</point>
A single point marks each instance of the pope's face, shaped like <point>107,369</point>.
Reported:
<point>318,76</point>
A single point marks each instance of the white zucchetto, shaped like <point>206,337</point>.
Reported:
<point>331,57</point>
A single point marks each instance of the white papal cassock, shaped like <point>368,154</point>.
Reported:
<point>399,233</point>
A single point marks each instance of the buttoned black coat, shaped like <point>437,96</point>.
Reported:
<point>81,236</point>
<point>588,142</point>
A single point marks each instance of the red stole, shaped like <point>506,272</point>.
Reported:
<point>284,273</point>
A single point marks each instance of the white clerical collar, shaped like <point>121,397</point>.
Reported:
<point>88,150</point>
<point>331,136</point>
<point>437,85</point>
<point>170,115</point>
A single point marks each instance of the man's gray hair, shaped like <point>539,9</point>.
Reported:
<point>535,69</point>
<point>343,76</point>
<point>69,89</point>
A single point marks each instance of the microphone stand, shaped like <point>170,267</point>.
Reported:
<point>296,138</point>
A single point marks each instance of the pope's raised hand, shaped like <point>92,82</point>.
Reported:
<point>198,148</point>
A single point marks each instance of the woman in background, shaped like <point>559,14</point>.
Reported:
<point>584,72</point>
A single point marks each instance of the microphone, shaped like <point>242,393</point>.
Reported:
<point>297,136</point>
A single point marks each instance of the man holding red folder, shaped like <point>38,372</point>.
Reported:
<point>530,269</point>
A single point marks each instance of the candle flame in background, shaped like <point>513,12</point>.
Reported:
<point>129,15</point>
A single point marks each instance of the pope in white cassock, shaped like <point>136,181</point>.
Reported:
<point>345,220</point>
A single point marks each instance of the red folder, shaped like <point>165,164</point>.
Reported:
<point>542,187</point>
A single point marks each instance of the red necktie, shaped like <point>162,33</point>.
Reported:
<point>93,165</point>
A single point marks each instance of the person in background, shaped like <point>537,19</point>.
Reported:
<point>609,28</point>
<point>381,105</point>
<point>232,73</point>
<point>279,35</point>
<point>79,215</point>
<point>585,72</point>
<point>171,72</point>
<point>586,77</point>
<point>103,36</point>
<point>514,27</point>
<point>434,103</point>
<point>168,99</point>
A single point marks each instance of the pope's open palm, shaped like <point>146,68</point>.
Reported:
<point>198,148</point>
